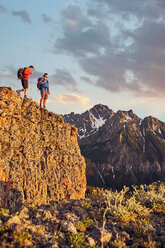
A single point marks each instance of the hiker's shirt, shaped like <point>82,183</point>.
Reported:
<point>44,86</point>
<point>26,73</point>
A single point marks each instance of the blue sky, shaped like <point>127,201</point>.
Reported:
<point>103,51</point>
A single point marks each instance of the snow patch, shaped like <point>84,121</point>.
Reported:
<point>128,117</point>
<point>159,131</point>
<point>140,122</point>
<point>100,176</point>
<point>113,173</point>
<point>97,122</point>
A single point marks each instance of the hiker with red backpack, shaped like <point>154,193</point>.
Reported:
<point>43,85</point>
<point>23,74</point>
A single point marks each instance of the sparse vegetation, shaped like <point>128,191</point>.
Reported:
<point>83,224</point>
<point>135,212</point>
<point>111,219</point>
<point>152,196</point>
<point>77,240</point>
<point>3,211</point>
<point>85,204</point>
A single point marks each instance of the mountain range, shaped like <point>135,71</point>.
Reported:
<point>120,148</point>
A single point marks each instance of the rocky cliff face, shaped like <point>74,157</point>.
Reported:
<point>40,159</point>
<point>121,148</point>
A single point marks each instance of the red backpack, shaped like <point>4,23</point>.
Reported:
<point>38,86</point>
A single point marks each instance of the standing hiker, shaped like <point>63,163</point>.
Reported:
<point>24,74</point>
<point>44,87</point>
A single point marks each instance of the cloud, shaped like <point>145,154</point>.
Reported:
<point>46,18</point>
<point>116,37</point>
<point>80,36</point>
<point>23,15</point>
<point>127,8</point>
<point>3,10</point>
<point>9,72</point>
<point>87,79</point>
<point>73,98</point>
<point>148,54</point>
<point>144,58</point>
<point>64,78</point>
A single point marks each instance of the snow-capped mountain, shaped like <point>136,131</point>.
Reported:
<point>90,121</point>
<point>120,148</point>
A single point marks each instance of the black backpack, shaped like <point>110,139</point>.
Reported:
<point>20,73</point>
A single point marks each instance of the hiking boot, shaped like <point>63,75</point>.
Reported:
<point>44,107</point>
<point>18,92</point>
<point>25,97</point>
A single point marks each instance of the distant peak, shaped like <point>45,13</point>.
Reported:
<point>100,106</point>
<point>151,122</point>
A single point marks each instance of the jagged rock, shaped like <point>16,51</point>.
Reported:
<point>40,159</point>
<point>14,220</point>
<point>120,148</point>
<point>106,236</point>
<point>23,214</point>
<point>67,226</point>
<point>91,241</point>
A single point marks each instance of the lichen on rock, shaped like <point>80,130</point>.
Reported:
<point>40,159</point>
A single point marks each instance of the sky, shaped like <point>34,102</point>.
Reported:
<point>95,51</point>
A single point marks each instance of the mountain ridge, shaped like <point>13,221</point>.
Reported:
<point>123,150</point>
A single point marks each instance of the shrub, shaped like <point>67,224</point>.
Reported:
<point>124,208</point>
<point>152,196</point>
<point>83,224</point>
<point>3,211</point>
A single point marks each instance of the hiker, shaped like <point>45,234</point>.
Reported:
<point>44,88</point>
<point>25,73</point>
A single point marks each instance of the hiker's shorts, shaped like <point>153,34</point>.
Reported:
<point>44,94</point>
<point>25,83</point>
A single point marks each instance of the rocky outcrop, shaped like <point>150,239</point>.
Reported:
<point>121,148</point>
<point>40,159</point>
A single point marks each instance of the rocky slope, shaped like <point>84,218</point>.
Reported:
<point>40,159</point>
<point>103,219</point>
<point>120,148</point>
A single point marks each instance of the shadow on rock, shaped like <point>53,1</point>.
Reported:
<point>10,197</point>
